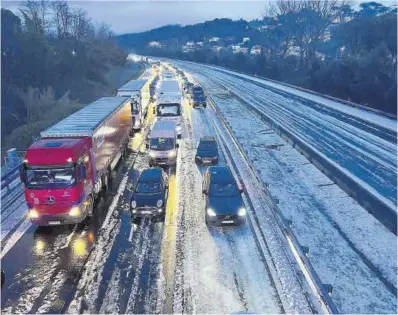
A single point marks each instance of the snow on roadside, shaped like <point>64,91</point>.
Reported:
<point>296,186</point>
<point>370,116</point>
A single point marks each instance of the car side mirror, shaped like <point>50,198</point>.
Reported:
<point>204,191</point>
<point>147,145</point>
<point>177,145</point>
<point>241,190</point>
<point>83,171</point>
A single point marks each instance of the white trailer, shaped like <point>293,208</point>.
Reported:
<point>169,103</point>
<point>140,100</point>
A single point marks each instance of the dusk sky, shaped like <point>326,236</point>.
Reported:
<point>135,16</point>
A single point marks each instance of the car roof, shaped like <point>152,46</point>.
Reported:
<point>211,139</point>
<point>220,174</point>
<point>151,174</point>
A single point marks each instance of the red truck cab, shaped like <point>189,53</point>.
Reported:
<point>66,169</point>
<point>58,177</point>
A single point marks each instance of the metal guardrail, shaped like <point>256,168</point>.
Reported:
<point>324,290</point>
<point>10,171</point>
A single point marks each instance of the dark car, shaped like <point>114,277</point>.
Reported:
<point>207,151</point>
<point>198,97</point>
<point>224,204</point>
<point>150,194</point>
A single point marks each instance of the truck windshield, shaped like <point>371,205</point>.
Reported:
<point>172,109</point>
<point>55,178</point>
<point>162,144</point>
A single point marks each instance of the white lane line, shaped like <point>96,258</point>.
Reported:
<point>131,233</point>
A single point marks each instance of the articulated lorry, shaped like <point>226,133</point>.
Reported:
<point>140,100</point>
<point>66,169</point>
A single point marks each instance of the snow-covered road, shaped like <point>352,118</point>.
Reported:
<point>339,232</point>
<point>367,150</point>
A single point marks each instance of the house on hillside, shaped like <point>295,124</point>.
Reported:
<point>155,44</point>
<point>255,50</point>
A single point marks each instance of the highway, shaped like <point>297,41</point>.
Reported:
<point>110,265</point>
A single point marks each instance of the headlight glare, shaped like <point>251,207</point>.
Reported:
<point>172,154</point>
<point>210,212</point>
<point>133,204</point>
<point>74,211</point>
<point>242,212</point>
<point>152,154</point>
<point>33,214</point>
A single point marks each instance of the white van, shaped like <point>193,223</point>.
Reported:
<point>163,144</point>
<point>169,104</point>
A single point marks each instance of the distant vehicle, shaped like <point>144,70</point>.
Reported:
<point>224,204</point>
<point>198,97</point>
<point>168,104</point>
<point>149,197</point>
<point>207,151</point>
<point>66,169</point>
<point>140,100</point>
<point>163,144</point>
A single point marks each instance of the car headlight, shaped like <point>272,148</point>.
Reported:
<point>210,212</point>
<point>33,214</point>
<point>172,154</point>
<point>133,204</point>
<point>178,128</point>
<point>74,211</point>
<point>152,154</point>
<point>242,212</point>
<point>159,203</point>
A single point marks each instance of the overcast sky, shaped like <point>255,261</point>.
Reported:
<point>135,16</point>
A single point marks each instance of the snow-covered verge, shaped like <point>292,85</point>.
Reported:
<point>368,115</point>
<point>338,231</point>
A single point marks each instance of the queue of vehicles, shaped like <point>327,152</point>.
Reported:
<point>68,167</point>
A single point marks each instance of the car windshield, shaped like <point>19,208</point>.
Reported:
<point>172,109</point>
<point>162,144</point>
<point>148,187</point>
<point>198,90</point>
<point>56,177</point>
<point>223,190</point>
<point>207,146</point>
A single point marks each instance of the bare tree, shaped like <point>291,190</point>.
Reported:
<point>62,17</point>
<point>80,24</point>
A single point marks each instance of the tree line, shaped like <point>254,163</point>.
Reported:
<point>326,46</point>
<point>54,59</point>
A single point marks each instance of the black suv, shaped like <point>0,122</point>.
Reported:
<point>150,194</point>
<point>207,151</point>
<point>224,204</point>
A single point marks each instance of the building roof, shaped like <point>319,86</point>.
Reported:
<point>85,121</point>
<point>133,85</point>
